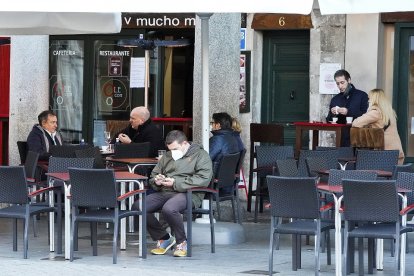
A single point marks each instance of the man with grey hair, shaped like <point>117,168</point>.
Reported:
<point>141,129</point>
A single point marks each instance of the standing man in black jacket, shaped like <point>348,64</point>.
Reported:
<point>141,129</point>
<point>349,102</point>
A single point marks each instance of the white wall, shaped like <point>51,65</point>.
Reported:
<point>363,51</point>
<point>29,87</point>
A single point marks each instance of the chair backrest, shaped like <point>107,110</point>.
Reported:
<point>369,138</point>
<point>384,160</point>
<point>22,147</point>
<point>343,152</point>
<point>315,164</point>
<point>337,176</point>
<point>293,197</point>
<point>241,160</point>
<point>30,164</point>
<point>67,151</point>
<point>92,152</point>
<point>267,155</point>
<point>406,180</point>
<point>264,133</point>
<point>331,157</point>
<point>287,168</point>
<point>225,175</point>
<point>93,188</point>
<point>371,200</point>
<point>61,164</point>
<point>402,168</point>
<point>132,150</point>
<point>13,185</point>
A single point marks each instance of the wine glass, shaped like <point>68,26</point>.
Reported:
<point>107,136</point>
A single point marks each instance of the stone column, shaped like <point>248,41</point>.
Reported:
<point>224,65</point>
<point>29,87</point>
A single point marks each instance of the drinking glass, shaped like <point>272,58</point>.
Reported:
<point>107,136</point>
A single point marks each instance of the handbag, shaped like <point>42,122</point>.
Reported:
<point>367,137</point>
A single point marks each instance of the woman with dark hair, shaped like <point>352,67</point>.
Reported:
<point>223,140</point>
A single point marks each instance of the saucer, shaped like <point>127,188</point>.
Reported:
<point>332,122</point>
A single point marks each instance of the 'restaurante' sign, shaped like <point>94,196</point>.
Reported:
<point>158,20</point>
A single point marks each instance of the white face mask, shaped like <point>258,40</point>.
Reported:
<point>177,154</point>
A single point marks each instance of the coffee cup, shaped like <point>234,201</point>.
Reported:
<point>334,119</point>
<point>349,120</point>
<point>104,148</point>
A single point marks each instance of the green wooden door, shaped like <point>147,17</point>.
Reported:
<point>403,94</point>
<point>285,94</point>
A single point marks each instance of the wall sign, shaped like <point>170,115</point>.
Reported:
<point>270,21</point>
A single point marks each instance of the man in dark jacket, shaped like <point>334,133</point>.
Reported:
<point>350,102</point>
<point>183,167</point>
<point>141,129</point>
<point>44,134</point>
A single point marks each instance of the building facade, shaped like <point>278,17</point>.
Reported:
<point>283,64</point>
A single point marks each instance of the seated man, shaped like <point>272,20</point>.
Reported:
<point>141,129</point>
<point>183,167</point>
<point>44,134</point>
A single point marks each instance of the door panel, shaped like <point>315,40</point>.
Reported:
<point>403,90</point>
<point>285,97</point>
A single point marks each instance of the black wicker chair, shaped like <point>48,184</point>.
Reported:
<point>372,211</point>
<point>67,150</point>
<point>296,198</point>
<point>384,160</point>
<point>330,156</point>
<point>23,149</point>
<point>266,157</point>
<point>14,191</point>
<point>261,133</point>
<point>225,183</point>
<point>402,168</point>
<point>95,189</point>
<point>92,152</point>
<point>210,195</point>
<point>240,173</point>
<point>132,150</point>
<point>287,168</point>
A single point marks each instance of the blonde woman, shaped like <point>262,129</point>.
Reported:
<point>381,115</point>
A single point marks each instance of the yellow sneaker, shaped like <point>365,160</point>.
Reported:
<point>181,250</point>
<point>163,246</point>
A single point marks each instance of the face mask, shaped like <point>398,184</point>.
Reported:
<point>177,154</point>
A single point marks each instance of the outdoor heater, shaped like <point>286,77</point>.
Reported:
<point>148,45</point>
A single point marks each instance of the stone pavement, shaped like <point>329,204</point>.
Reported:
<point>249,258</point>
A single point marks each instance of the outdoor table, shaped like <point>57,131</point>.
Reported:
<point>121,177</point>
<point>315,128</point>
<point>380,173</point>
<point>336,191</point>
<point>132,164</point>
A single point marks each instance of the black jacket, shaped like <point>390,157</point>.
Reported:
<point>147,132</point>
<point>39,141</point>
<point>356,102</point>
<point>223,141</point>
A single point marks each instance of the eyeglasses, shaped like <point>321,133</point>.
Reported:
<point>212,122</point>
